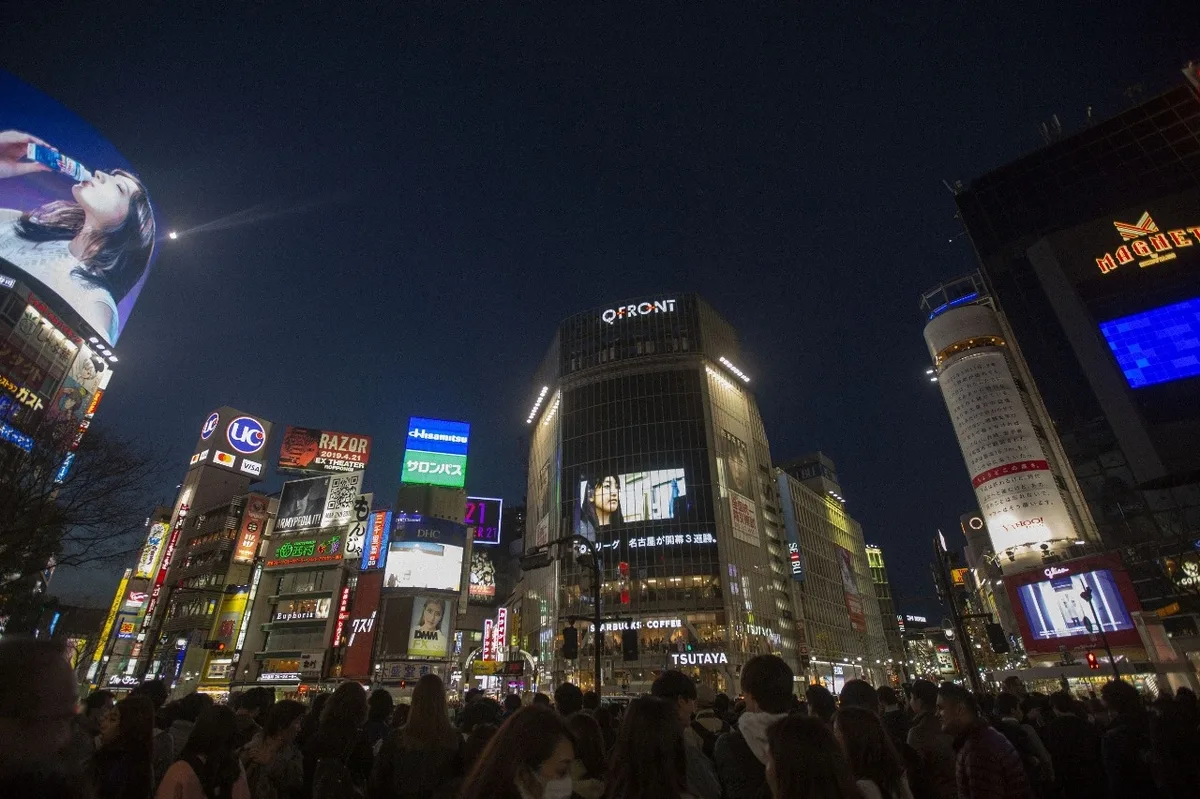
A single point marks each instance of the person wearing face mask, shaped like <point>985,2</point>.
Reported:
<point>530,757</point>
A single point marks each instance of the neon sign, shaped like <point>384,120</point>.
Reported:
<point>611,315</point>
<point>1147,244</point>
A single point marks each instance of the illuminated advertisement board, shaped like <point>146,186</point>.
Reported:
<point>318,502</point>
<point>436,452</point>
<point>356,663</point>
<point>1052,613</point>
<point>854,602</point>
<point>360,520</point>
<point>429,631</point>
<point>233,440</point>
<point>426,552</point>
<point>306,449</point>
<point>58,179</point>
<point>376,545</point>
<point>152,550</point>
<point>253,526</point>
<point>482,589</point>
<point>482,518</point>
<point>1156,346</point>
<point>297,551</point>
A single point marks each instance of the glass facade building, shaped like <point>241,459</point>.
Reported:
<point>646,439</point>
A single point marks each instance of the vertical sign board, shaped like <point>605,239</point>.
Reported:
<point>376,545</point>
<point>360,519</point>
<point>791,529</point>
<point>488,653</point>
<point>501,630</point>
<point>109,620</point>
<point>148,559</point>
<point>356,664</point>
<point>854,602</point>
<point>254,524</point>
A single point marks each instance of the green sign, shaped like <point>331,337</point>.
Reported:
<point>434,468</point>
<point>308,548</point>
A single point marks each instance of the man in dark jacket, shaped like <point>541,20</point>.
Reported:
<point>933,746</point>
<point>987,766</point>
<point>1125,746</point>
<point>1074,746</point>
<point>741,754</point>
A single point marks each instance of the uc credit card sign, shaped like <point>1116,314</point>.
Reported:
<point>435,452</point>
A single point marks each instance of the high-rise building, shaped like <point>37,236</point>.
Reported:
<point>646,440</point>
<point>844,635</point>
<point>887,608</point>
<point>1090,286</point>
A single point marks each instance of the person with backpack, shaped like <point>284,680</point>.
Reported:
<point>208,767</point>
<point>337,758</point>
<point>741,754</point>
<point>272,761</point>
<point>678,689</point>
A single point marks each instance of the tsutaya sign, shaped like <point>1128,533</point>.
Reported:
<point>1147,244</point>
<point>611,315</point>
<point>698,658</point>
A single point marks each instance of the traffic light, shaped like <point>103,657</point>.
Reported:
<point>215,646</point>
<point>570,647</point>
<point>1091,661</point>
<point>629,645</point>
<point>997,639</point>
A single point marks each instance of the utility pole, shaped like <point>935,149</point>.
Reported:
<point>945,585</point>
<point>543,557</point>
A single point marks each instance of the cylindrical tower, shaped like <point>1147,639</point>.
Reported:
<point>1014,469</point>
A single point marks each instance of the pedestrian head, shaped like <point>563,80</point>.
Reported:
<point>473,694</point>
<point>859,693</point>
<point>256,702</point>
<point>568,698</point>
<point>155,690</point>
<point>888,697</point>
<point>589,744</point>
<point>956,708</point>
<point>379,705</point>
<point>767,684</point>
<point>428,725</point>
<point>191,706</point>
<point>648,759</point>
<point>37,700</point>
<point>721,704</point>
<point>1008,705</point>
<point>591,700</point>
<point>512,703</point>
<point>804,759</point>
<point>869,748</point>
<point>820,702</point>
<point>706,697</point>
<point>541,699</point>
<point>923,697</point>
<point>678,689</point>
<point>344,711</point>
<point>1121,698</point>
<point>482,711</point>
<point>98,704</point>
<point>400,716</point>
<point>283,720</point>
<point>212,741</point>
<point>530,755</point>
<point>1014,685</point>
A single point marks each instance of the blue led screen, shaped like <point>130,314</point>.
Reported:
<point>1157,346</point>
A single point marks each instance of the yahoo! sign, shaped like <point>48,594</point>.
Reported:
<point>611,315</point>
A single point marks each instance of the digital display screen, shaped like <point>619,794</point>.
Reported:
<point>1157,346</point>
<point>483,577</point>
<point>63,173</point>
<point>426,552</point>
<point>1055,609</point>
<point>435,452</point>
<point>483,519</point>
<point>615,499</point>
<point>429,630</point>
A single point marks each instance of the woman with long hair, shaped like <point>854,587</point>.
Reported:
<point>208,767</point>
<point>529,758</point>
<point>648,761</point>
<point>273,763</point>
<point>423,755</point>
<point>587,772</point>
<point>805,761</point>
<point>122,766</point>
<point>339,747</point>
<point>878,769</point>
<point>600,505</point>
<point>91,250</point>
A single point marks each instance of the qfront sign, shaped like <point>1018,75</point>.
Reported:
<point>611,315</point>
<point>1147,244</point>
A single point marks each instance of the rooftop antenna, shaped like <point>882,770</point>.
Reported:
<point>1089,116</point>
<point>955,189</point>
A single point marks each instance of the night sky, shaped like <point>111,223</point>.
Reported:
<point>452,187</point>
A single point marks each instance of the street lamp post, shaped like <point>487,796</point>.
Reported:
<point>1086,596</point>
<point>542,558</point>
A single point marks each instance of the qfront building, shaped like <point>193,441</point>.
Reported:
<point>645,439</point>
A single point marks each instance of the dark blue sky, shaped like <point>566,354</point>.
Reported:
<point>470,180</point>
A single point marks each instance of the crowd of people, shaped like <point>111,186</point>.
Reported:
<point>681,741</point>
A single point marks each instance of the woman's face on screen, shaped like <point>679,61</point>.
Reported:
<point>432,616</point>
<point>607,495</point>
<point>105,199</point>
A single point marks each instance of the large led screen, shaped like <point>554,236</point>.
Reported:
<point>483,519</point>
<point>435,453</point>
<point>76,223</point>
<point>429,631</point>
<point>318,502</point>
<point>615,499</point>
<point>425,552</point>
<point>1157,346</point>
<point>1054,608</point>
